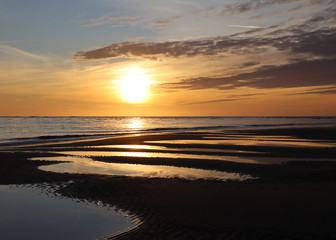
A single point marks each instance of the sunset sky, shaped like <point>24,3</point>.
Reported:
<point>167,58</point>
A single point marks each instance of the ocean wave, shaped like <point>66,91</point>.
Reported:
<point>50,139</point>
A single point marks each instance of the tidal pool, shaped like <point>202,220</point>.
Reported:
<point>26,213</point>
<point>158,155</point>
<point>83,165</point>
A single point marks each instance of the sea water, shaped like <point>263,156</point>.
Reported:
<point>26,130</point>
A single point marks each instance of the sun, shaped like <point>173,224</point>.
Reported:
<point>134,85</point>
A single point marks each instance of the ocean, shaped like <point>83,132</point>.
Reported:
<point>30,130</point>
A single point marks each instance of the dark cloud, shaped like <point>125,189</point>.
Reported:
<point>324,20</point>
<point>303,74</point>
<point>152,50</point>
<point>211,101</point>
<point>245,6</point>
<point>228,98</point>
<point>316,43</point>
<point>252,5</point>
<point>254,31</point>
<point>324,91</point>
<point>249,64</point>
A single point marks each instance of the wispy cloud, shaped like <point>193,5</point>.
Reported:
<point>131,20</point>
<point>163,23</point>
<point>229,98</point>
<point>325,91</point>
<point>245,26</point>
<point>205,10</point>
<point>253,5</point>
<point>13,51</point>
<point>249,64</point>
<point>210,101</point>
<point>112,20</point>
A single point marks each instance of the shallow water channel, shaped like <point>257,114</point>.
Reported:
<point>26,213</point>
<point>85,165</point>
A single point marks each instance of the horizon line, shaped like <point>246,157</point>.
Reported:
<point>271,116</point>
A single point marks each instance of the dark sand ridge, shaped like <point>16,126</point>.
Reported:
<point>290,201</point>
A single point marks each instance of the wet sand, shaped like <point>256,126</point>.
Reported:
<point>292,200</point>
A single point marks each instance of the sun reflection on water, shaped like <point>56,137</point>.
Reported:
<point>135,124</point>
<point>159,155</point>
<point>73,164</point>
<point>131,146</point>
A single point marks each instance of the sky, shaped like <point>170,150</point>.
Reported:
<point>168,58</point>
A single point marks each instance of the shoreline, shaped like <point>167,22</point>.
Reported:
<point>293,200</point>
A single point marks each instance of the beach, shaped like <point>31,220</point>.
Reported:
<point>172,120</point>
<point>284,185</point>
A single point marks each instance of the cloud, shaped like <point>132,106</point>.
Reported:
<point>130,20</point>
<point>211,101</point>
<point>165,23</point>
<point>112,20</point>
<point>13,51</point>
<point>229,98</point>
<point>313,37</point>
<point>152,50</point>
<point>324,91</point>
<point>295,8</point>
<point>317,43</point>
<point>205,10</point>
<point>245,6</point>
<point>253,5</point>
<point>249,64</point>
<point>293,40</point>
<point>307,49</point>
<point>245,26</point>
<point>302,74</point>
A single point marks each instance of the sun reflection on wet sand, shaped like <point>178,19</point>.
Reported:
<point>71,164</point>
<point>158,155</point>
<point>133,146</point>
<point>284,142</point>
<point>155,147</point>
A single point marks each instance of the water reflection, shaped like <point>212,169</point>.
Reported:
<point>82,165</point>
<point>135,123</point>
<point>158,155</point>
<point>28,214</point>
<point>155,147</point>
<point>133,146</point>
<point>277,142</point>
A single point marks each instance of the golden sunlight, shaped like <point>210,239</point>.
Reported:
<point>135,123</point>
<point>134,85</point>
